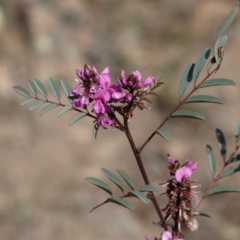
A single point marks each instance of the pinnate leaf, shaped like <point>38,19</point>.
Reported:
<point>48,108</point>
<point>211,62</point>
<point>222,189</point>
<point>186,79</point>
<point>200,63</point>
<point>237,132</point>
<point>95,131</point>
<point>64,110</point>
<point>211,159</point>
<point>21,91</point>
<point>221,143</point>
<point>113,178</point>
<point>219,43</point>
<point>76,118</point>
<point>127,178</point>
<point>230,171</point>
<point>148,188</point>
<point>188,114</point>
<point>31,87</point>
<point>227,21</point>
<point>164,134</point>
<point>27,100</point>
<point>66,87</point>
<point>36,104</point>
<point>203,99</point>
<point>217,82</point>
<point>54,88</point>
<point>202,213</point>
<point>40,87</point>
<point>122,202</point>
<point>236,158</point>
<point>139,195</point>
<point>99,184</point>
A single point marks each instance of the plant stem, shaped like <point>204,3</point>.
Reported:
<point>144,174</point>
<point>181,102</point>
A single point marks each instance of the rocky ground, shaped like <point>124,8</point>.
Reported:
<point>44,161</point>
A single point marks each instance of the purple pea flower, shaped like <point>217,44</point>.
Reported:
<point>144,83</point>
<point>122,80</point>
<point>103,119</point>
<point>75,92</point>
<point>168,236</point>
<point>185,170</point>
<point>105,88</point>
<point>148,238</point>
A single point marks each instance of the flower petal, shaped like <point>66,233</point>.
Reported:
<point>166,236</point>
<point>171,160</point>
<point>183,172</point>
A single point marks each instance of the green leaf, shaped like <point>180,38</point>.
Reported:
<point>40,87</point>
<point>237,132</point>
<point>227,21</point>
<point>21,91</point>
<point>99,184</point>
<point>218,82</point>
<point>211,62</point>
<point>236,158</point>
<point>139,195</point>
<point>221,143</point>
<point>202,213</point>
<point>54,88</point>
<point>148,188</point>
<point>188,114</point>
<point>200,63</point>
<point>66,87</point>
<point>164,134</point>
<point>36,104</point>
<point>219,43</point>
<point>153,93</point>
<point>76,118</point>
<point>64,110</point>
<point>147,100</point>
<point>121,202</point>
<point>222,189</point>
<point>211,159</point>
<point>203,99</point>
<point>32,87</point>
<point>186,79</point>
<point>230,171</point>
<point>113,178</point>
<point>48,108</point>
<point>95,131</point>
<point>27,100</point>
<point>127,178</point>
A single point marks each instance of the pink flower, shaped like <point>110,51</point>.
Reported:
<point>105,88</point>
<point>185,170</point>
<point>168,236</point>
<point>82,101</point>
<point>75,92</point>
<point>103,119</point>
<point>148,238</point>
<point>122,80</point>
<point>190,164</point>
<point>144,83</point>
<point>171,160</point>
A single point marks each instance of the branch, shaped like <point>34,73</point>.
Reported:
<point>181,102</point>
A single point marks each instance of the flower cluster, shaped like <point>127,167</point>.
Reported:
<point>107,98</point>
<point>180,193</point>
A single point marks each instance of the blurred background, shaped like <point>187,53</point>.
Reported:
<point>43,195</point>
